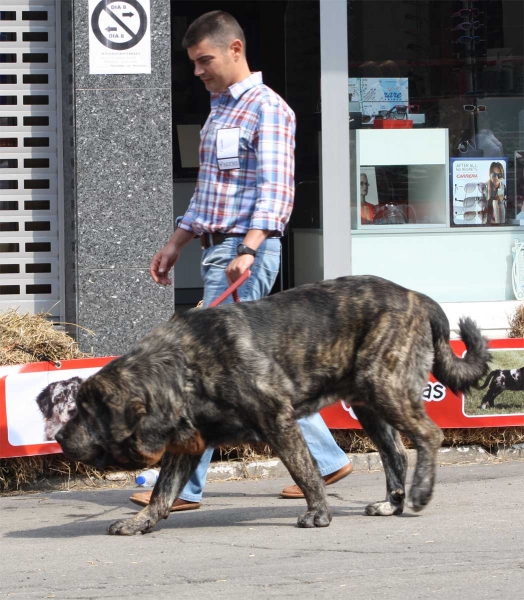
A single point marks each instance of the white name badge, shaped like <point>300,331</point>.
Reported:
<point>228,147</point>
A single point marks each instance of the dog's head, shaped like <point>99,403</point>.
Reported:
<point>57,403</point>
<point>125,418</point>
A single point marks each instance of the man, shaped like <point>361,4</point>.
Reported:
<point>241,205</point>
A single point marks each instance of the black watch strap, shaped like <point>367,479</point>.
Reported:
<point>243,249</point>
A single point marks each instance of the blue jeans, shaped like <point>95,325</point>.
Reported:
<point>264,272</point>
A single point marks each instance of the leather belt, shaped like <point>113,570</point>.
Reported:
<point>212,239</point>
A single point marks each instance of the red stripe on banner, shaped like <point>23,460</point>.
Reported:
<point>444,407</point>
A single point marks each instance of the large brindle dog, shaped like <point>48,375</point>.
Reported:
<point>248,371</point>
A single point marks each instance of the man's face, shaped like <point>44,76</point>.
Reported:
<point>215,66</point>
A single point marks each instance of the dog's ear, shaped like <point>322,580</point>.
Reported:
<point>136,409</point>
<point>44,400</point>
<point>126,419</point>
<point>75,383</point>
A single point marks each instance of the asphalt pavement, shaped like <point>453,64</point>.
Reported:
<point>243,543</point>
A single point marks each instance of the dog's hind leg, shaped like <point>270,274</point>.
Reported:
<point>175,471</point>
<point>427,439</point>
<point>402,408</point>
<point>394,459</point>
<point>287,441</point>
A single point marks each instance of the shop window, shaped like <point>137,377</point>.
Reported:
<point>450,67</point>
<point>436,107</point>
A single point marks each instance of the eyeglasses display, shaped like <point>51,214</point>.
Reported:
<point>470,188</point>
<point>466,145</point>
<point>466,25</point>
<point>400,111</point>
<point>473,108</point>
<point>469,39</point>
<point>466,12</point>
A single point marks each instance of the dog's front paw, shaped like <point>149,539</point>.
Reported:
<point>384,509</point>
<point>315,518</point>
<point>129,527</point>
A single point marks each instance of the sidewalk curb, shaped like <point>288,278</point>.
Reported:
<point>273,468</point>
<point>268,469</point>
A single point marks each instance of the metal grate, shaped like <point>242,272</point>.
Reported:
<point>29,274</point>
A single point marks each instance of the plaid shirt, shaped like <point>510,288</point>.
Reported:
<point>259,194</point>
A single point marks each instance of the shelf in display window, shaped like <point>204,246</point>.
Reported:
<point>402,146</point>
<point>428,196</point>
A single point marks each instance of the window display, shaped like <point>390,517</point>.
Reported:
<point>456,66</point>
<point>403,178</point>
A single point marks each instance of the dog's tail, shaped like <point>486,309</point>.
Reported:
<point>459,374</point>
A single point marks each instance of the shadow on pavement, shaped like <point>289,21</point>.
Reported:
<point>208,516</point>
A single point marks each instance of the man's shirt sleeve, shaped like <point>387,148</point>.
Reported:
<point>186,221</point>
<point>274,145</point>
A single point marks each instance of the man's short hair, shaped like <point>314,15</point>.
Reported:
<point>219,27</point>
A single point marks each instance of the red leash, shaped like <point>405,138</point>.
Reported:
<point>232,289</point>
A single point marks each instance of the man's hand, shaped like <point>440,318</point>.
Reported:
<point>162,263</point>
<point>165,259</point>
<point>238,266</point>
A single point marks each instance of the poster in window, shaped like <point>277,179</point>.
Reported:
<point>479,191</point>
<point>368,195</point>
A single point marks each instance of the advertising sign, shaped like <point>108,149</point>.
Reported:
<point>23,427</point>
<point>377,94</point>
<point>479,191</point>
<point>497,402</point>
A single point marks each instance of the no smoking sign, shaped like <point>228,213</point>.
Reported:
<point>119,36</point>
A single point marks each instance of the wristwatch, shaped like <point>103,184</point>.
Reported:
<point>243,249</point>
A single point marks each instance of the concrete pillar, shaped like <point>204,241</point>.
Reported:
<point>118,186</point>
